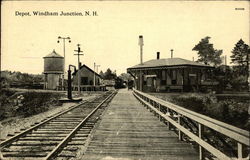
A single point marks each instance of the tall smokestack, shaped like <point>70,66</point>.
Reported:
<point>171,53</point>
<point>141,50</point>
<point>158,55</point>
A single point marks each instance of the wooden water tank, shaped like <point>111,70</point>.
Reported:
<point>53,63</point>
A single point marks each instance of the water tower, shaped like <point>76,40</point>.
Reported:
<point>53,70</point>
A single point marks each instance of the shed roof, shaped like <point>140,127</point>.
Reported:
<point>84,66</point>
<point>168,62</point>
<point>53,54</point>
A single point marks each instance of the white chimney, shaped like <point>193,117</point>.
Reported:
<point>141,49</point>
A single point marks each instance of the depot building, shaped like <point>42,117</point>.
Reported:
<point>171,74</point>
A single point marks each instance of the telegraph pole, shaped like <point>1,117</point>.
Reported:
<point>97,68</point>
<point>94,71</point>
<point>78,55</point>
<point>58,41</point>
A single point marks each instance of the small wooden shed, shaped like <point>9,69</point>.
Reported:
<point>87,78</point>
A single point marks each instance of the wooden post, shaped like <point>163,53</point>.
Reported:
<point>160,111</point>
<point>154,104</point>
<point>201,128</point>
<point>150,102</point>
<point>169,127</point>
<point>179,131</point>
<point>240,150</point>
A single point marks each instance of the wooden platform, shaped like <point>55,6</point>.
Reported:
<point>129,131</point>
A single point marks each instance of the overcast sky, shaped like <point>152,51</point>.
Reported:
<point>111,38</point>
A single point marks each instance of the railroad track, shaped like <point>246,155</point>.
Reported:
<point>59,137</point>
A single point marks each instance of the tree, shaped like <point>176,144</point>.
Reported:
<point>110,75</point>
<point>101,74</point>
<point>206,52</point>
<point>223,75</point>
<point>125,77</point>
<point>239,58</point>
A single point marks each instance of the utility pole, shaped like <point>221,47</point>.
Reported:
<point>94,71</point>
<point>78,55</point>
<point>97,68</point>
<point>58,41</point>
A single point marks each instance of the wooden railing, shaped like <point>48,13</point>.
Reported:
<point>174,116</point>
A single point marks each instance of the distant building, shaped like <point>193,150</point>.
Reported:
<point>110,84</point>
<point>53,70</point>
<point>159,75</point>
<point>87,79</point>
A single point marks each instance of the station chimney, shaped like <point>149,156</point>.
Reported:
<point>158,55</point>
<point>172,53</point>
<point>141,49</point>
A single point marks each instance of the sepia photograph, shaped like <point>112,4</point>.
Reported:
<point>125,80</point>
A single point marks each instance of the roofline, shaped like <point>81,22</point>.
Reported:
<point>53,57</point>
<point>88,69</point>
<point>168,66</point>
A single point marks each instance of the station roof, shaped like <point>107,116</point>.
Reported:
<point>168,62</point>
<point>84,66</point>
<point>53,54</point>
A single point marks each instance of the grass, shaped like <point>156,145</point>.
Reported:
<point>25,104</point>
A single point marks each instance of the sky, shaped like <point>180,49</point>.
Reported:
<point>111,38</point>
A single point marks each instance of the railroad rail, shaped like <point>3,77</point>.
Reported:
<point>59,136</point>
<point>193,125</point>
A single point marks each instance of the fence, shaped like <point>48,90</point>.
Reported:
<point>192,125</point>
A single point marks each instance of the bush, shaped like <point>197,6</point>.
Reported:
<point>194,101</point>
<point>25,104</point>
<point>35,102</point>
<point>223,75</point>
<point>228,110</point>
<point>5,103</point>
<point>239,83</point>
<point>237,113</point>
